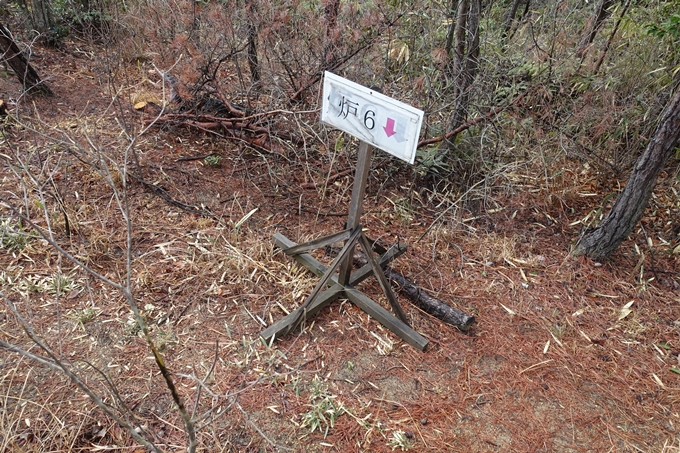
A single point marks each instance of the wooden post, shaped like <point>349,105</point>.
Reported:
<point>355,205</point>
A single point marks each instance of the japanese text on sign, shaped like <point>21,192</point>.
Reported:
<point>384,122</point>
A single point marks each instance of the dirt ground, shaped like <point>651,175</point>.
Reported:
<point>568,355</point>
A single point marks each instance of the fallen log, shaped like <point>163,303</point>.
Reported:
<point>421,299</point>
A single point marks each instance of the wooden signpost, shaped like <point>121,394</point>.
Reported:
<point>380,122</point>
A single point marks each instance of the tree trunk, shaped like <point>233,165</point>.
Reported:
<point>510,18</point>
<point>11,53</point>
<point>465,62</point>
<point>448,46</point>
<point>460,38</point>
<point>601,14</point>
<point>331,11</point>
<point>253,63</point>
<point>629,207</point>
<point>43,19</point>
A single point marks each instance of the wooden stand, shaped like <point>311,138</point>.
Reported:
<point>342,286</point>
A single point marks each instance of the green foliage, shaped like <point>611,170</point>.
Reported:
<point>669,27</point>
<point>84,316</point>
<point>403,209</point>
<point>13,237</point>
<point>431,161</point>
<point>525,70</point>
<point>82,11</point>
<point>324,409</point>
<point>57,284</point>
<point>213,160</point>
<point>60,284</point>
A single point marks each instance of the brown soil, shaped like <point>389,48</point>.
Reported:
<point>552,365</point>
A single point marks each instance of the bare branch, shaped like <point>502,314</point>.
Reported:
<point>74,378</point>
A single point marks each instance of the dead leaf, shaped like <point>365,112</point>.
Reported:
<point>625,310</point>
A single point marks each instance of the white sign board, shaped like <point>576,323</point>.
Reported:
<point>383,122</point>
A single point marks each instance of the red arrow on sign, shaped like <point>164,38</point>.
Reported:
<point>389,127</point>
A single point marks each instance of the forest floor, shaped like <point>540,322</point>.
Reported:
<point>567,355</point>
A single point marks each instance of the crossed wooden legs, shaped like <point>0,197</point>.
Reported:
<point>329,288</point>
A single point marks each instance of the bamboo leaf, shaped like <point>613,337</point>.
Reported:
<point>625,310</point>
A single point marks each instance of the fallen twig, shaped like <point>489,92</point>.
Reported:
<point>331,179</point>
<point>163,193</point>
<point>190,158</point>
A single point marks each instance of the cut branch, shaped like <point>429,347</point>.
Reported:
<point>487,116</point>
<point>244,129</point>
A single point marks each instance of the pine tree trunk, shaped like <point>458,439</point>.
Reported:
<point>11,53</point>
<point>629,207</point>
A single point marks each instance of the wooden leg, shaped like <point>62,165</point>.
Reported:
<point>285,325</point>
<point>337,291</point>
<point>384,284</point>
<point>386,318</point>
<point>317,243</point>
